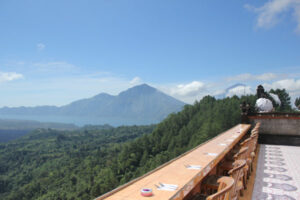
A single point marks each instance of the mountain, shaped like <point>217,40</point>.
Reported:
<point>9,124</point>
<point>141,104</point>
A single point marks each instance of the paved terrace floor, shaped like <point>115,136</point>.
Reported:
<point>277,173</point>
<point>177,178</point>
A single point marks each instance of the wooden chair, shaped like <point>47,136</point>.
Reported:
<point>254,132</point>
<point>224,190</point>
<point>249,144</point>
<point>256,127</point>
<point>237,173</point>
<point>254,135</point>
<point>229,156</point>
<point>210,182</point>
<point>246,152</point>
<point>241,155</point>
<point>253,146</point>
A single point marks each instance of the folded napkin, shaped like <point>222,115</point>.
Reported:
<point>193,166</point>
<point>167,187</point>
<point>211,154</point>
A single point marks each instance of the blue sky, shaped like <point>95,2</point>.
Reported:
<point>55,52</point>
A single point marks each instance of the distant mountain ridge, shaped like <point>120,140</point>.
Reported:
<point>13,129</point>
<point>141,104</point>
<point>9,124</point>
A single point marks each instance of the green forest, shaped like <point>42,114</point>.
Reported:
<point>83,164</point>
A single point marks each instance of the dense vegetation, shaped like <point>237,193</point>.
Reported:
<point>50,164</point>
<point>84,164</point>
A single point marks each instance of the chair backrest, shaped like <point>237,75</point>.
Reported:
<point>237,174</point>
<point>256,127</point>
<point>242,154</point>
<point>224,190</point>
<point>249,144</point>
<point>245,143</point>
<point>254,132</point>
<point>254,139</point>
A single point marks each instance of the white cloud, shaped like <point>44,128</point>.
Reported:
<point>291,85</point>
<point>135,81</point>
<point>272,12</point>
<point>190,89</point>
<point>254,77</point>
<point>9,76</point>
<point>188,93</point>
<point>239,91</point>
<point>40,46</point>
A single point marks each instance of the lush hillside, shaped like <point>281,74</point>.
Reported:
<point>138,105</point>
<point>50,164</point>
<point>84,164</point>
